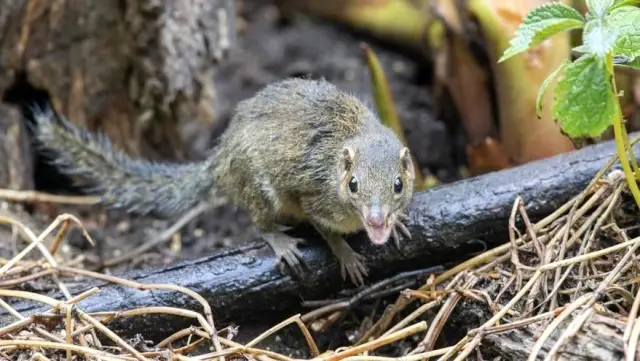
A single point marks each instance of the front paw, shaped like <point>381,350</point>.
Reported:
<point>398,225</point>
<point>352,264</point>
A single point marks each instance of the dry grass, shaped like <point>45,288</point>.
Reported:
<point>578,261</point>
<point>67,328</point>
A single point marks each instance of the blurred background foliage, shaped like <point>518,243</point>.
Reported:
<point>461,40</point>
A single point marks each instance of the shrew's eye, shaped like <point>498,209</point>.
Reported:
<point>397,185</point>
<point>353,184</point>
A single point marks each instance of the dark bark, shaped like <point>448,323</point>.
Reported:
<point>16,161</point>
<point>600,339</point>
<point>244,284</point>
<point>133,69</point>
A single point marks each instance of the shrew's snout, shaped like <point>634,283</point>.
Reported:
<point>377,224</point>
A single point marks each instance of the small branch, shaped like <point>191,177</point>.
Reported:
<point>39,197</point>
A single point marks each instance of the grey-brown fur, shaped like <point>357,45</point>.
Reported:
<point>287,157</point>
<point>138,186</point>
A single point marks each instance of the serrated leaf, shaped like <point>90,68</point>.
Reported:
<point>627,62</point>
<point>585,103</point>
<point>627,22</point>
<point>541,23</point>
<point>545,85</point>
<point>581,50</point>
<point>599,36</point>
<point>620,3</point>
<point>621,59</point>
<point>635,64</point>
<point>599,8</point>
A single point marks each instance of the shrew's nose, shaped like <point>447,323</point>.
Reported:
<point>375,218</point>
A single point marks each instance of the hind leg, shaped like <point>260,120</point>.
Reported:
<point>283,245</point>
<point>286,249</point>
<point>266,208</point>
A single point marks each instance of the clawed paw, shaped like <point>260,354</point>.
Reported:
<point>293,258</point>
<point>403,229</point>
<point>287,253</point>
<point>352,264</point>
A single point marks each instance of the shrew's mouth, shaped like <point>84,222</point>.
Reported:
<point>379,233</point>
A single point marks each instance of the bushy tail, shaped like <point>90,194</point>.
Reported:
<point>122,182</point>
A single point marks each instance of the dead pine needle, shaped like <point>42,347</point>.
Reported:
<point>369,346</point>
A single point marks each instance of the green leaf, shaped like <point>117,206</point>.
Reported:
<point>627,23</point>
<point>627,62</point>
<point>585,103</point>
<point>620,3</point>
<point>582,49</point>
<point>545,85</point>
<point>540,24</point>
<point>599,36</point>
<point>599,8</point>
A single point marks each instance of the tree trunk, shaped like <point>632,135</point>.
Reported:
<point>16,160</point>
<point>134,69</point>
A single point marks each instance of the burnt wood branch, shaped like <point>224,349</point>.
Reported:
<point>448,223</point>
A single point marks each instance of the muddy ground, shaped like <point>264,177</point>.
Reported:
<point>270,49</point>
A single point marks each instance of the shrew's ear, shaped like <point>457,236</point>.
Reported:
<point>347,159</point>
<point>407,162</point>
<point>345,162</point>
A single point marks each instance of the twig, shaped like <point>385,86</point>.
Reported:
<point>21,280</point>
<point>235,347</point>
<point>36,241</point>
<point>630,344</point>
<point>107,332</point>
<point>273,330</point>
<point>205,305</point>
<point>161,237</point>
<point>180,334</point>
<point>414,315</point>
<point>439,321</point>
<point>61,233</point>
<point>40,197</point>
<point>571,330</point>
<point>62,346</point>
<point>417,357</point>
<point>350,303</point>
<point>554,325</point>
<point>420,326</point>
<point>307,335</point>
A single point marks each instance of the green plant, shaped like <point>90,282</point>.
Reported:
<point>586,100</point>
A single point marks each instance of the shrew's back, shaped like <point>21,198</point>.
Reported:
<point>289,134</point>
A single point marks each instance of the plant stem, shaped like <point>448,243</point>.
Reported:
<point>620,135</point>
<point>627,147</point>
<point>386,106</point>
